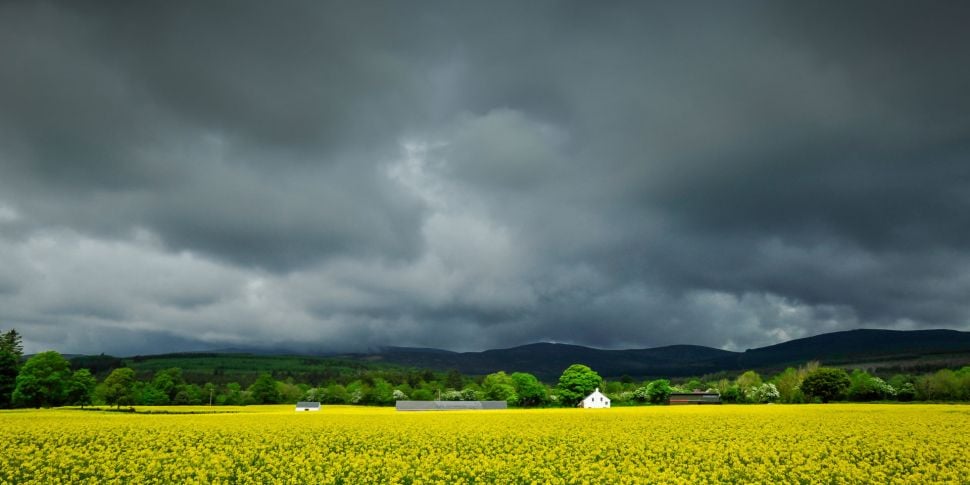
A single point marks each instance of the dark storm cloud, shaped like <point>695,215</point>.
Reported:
<point>250,145</point>
<point>469,175</point>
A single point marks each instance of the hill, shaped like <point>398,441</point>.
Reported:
<point>902,350</point>
<point>242,368</point>
<point>883,350</point>
<point>547,360</point>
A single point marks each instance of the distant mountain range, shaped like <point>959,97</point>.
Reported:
<point>914,350</point>
<point>885,351</point>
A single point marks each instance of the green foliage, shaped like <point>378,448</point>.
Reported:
<point>189,394</point>
<point>422,395</point>
<point>99,365</point>
<point>826,384</point>
<point>944,385</point>
<point>169,382</point>
<point>747,383</point>
<point>692,385</point>
<point>11,341</point>
<point>906,392</point>
<point>221,369</point>
<point>454,380</point>
<point>500,387</point>
<point>530,391</point>
<point>147,394</point>
<point>452,395</point>
<point>764,393</point>
<point>159,382</point>
<point>658,391</point>
<point>43,381</point>
<point>789,384</point>
<point>8,377</point>
<point>233,395</point>
<point>118,388</point>
<point>577,382</point>
<point>11,351</point>
<point>732,394</point>
<point>864,387</point>
<point>264,391</point>
<point>80,389</point>
<point>381,393</point>
<point>357,392</point>
<point>472,393</point>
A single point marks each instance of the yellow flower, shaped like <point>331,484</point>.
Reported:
<point>846,443</point>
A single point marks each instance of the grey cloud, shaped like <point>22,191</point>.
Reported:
<point>478,175</point>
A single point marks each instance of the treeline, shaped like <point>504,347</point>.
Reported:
<point>807,384</point>
<point>47,380</point>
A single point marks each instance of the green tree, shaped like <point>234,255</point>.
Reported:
<point>233,395</point>
<point>118,389</point>
<point>264,390</point>
<point>658,391</point>
<point>693,384</point>
<point>788,384</point>
<point>826,383</point>
<point>904,386</point>
<point>189,394</point>
<point>963,376</point>
<point>11,351</point>
<point>422,394</point>
<point>943,385</point>
<point>357,392</point>
<point>865,387</point>
<point>291,392</point>
<point>732,393</point>
<point>472,392</point>
<point>530,391</point>
<point>80,389</point>
<point>905,392</point>
<point>147,394</point>
<point>12,342</point>
<point>169,382</point>
<point>454,380</point>
<point>43,381</point>
<point>577,382</point>
<point>382,392</point>
<point>500,387</point>
<point>336,394</point>
<point>640,394</point>
<point>748,382</point>
<point>764,393</point>
<point>8,377</point>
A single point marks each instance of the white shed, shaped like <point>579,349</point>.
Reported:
<point>307,406</point>
<point>595,400</point>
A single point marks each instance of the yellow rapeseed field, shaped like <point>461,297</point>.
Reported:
<point>835,443</point>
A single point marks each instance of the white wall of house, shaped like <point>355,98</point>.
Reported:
<point>596,400</point>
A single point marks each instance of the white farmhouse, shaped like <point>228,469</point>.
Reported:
<point>595,400</point>
<point>308,406</point>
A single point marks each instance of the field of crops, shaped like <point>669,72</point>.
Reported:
<point>836,443</point>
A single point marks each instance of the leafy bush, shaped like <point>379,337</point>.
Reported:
<point>826,384</point>
<point>658,391</point>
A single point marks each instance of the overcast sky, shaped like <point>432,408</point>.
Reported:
<point>472,175</point>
